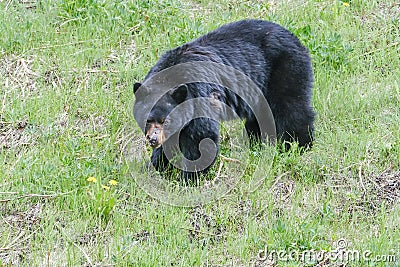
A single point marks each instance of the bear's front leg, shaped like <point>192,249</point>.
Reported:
<point>159,160</point>
<point>199,145</point>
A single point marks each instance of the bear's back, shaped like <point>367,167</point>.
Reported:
<point>244,31</point>
<point>250,46</point>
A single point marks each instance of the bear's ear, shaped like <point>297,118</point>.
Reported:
<point>136,87</point>
<point>180,94</point>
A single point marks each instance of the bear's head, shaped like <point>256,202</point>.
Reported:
<point>151,111</point>
<point>163,112</point>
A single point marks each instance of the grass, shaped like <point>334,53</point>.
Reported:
<point>67,70</point>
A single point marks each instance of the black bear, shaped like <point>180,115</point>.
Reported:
<point>270,56</point>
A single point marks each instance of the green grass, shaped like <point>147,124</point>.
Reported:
<point>67,70</point>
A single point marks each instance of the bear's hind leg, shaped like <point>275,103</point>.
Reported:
<point>294,122</point>
<point>253,131</point>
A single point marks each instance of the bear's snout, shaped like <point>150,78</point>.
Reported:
<point>153,141</point>
<point>155,135</point>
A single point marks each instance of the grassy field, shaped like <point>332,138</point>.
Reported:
<point>67,197</point>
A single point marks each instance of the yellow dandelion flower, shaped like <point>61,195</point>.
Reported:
<point>91,179</point>
<point>105,187</point>
<point>346,4</point>
<point>112,182</point>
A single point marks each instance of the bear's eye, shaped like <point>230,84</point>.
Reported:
<point>161,121</point>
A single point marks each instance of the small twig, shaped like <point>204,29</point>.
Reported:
<point>8,193</point>
<point>128,249</point>
<point>85,157</point>
<point>379,49</point>
<point>4,98</point>
<point>67,21</point>
<point>8,133</point>
<point>32,195</point>
<point>360,178</point>
<point>9,247</point>
<point>84,253</point>
<point>346,167</point>
<point>99,71</point>
<point>101,136</point>
<point>26,69</point>
<point>61,45</point>
<point>221,164</point>
<point>229,159</point>
<point>278,178</point>
<point>73,243</point>
<point>8,4</point>
<point>13,243</point>
<point>96,136</point>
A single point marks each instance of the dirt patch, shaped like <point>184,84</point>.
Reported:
<point>25,219</point>
<point>90,237</point>
<point>282,189</point>
<point>387,185</point>
<point>52,77</point>
<point>17,135</point>
<point>81,123</point>
<point>389,10</point>
<point>129,53</point>
<point>385,11</point>
<point>28,4</point>
<point>20,227</point>
<point>19,74</point>
<point>205,226</point>
<point>380,189</point>
<point>367,194</point>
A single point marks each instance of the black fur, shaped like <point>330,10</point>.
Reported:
<point>267,53</point>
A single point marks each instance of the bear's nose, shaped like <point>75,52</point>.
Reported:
<point>153,141</point>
